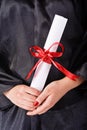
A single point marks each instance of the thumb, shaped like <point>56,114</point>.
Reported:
<point>40,99</point>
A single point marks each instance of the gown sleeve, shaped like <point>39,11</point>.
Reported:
<point>4,102</point>
<point>80,57</point>
<point>7,79</point>
<point>8,76</point>
<point>81,62</point>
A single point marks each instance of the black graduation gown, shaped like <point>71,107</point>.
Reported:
<point>24,23</point>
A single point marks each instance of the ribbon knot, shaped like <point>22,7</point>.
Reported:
<point>48,57</point>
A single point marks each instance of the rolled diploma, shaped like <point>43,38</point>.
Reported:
<point>55,34</point>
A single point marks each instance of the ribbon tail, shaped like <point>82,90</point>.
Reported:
<point>32,70</point>
<point>65,71</point>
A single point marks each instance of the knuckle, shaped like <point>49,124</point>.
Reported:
<point>31,109</point>
<point>49,104</point>
<point>37,92</point>
<point>25,107</point>
<point>33,98</point>
<point>21,89</point>
<point>18,95</point>
<point>47,90</point>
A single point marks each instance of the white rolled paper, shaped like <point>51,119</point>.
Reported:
<point>55,34</point>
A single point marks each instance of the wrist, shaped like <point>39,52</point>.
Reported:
<point>70,84</point>
<point>66,84</point>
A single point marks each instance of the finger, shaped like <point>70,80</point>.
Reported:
<point>28,108</point>
<point>37,111</point>
<point>42,97</point>
<point>29,104</point>
<point>25,105</point>
<point>29,97</point>
<point>42,108</point>
<point>24,102</point>
<point>32,113</point>
<point>32,91</point>
<point>46,106</point>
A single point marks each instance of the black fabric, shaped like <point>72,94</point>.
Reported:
<point>73,117</point>
<point>24,23</point>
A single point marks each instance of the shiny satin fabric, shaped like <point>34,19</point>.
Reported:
<point>24,23</point>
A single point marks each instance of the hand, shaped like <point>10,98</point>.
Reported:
<point>23,96</point>
<point>53,93</point>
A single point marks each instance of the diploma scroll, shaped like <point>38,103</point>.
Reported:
<point>43,68</point>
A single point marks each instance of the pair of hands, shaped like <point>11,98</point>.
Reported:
<point>24,96</point>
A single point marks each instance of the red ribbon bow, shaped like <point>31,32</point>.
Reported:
<point>48,57</point>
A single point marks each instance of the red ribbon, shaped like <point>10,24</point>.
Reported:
<point>48,57</point>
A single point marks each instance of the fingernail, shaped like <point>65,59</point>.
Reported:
<point>36,103</point>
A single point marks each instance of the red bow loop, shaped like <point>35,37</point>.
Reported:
<point>36,51</point>
<point>48,57</point>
